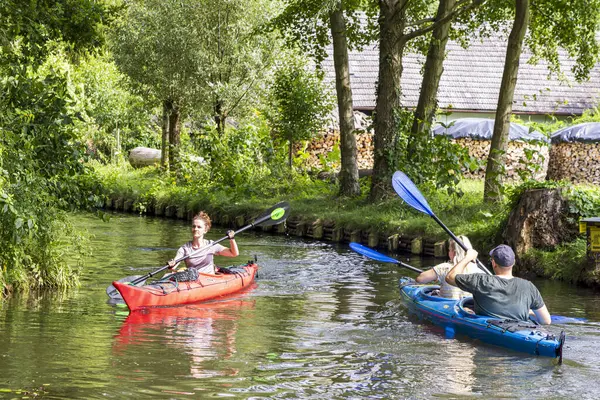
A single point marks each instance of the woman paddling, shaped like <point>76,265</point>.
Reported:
<point>456,254</point>
<point>202,261</point>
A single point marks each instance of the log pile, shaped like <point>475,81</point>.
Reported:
<point>322,145</point>
<point>515,157</point>
<point>575,161</point>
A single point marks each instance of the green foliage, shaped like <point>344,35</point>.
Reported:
<point>566,262</point>
<point>41,157</point>
<point>111,119</point>
<point>206,56</point>
<point>435,160</point>
<point>239,157</point>
<point>567,25</point>
<point>300,104</point>
<point>305,24</point>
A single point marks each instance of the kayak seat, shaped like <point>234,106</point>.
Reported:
<point>467,305</point>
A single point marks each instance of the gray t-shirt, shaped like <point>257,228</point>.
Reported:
<point>203,260</point>
<point>501,298</point>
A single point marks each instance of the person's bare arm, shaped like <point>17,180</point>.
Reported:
<point>542,316</point>
<point>460,267</point>
<point>427,276</point>
<point>232,251</point>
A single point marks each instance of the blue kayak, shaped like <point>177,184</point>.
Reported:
<point>455,317</point>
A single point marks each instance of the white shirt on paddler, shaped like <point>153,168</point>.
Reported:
<point>202,260</point>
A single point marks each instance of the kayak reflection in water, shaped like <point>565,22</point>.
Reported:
<point>456,255</point>
<point>202,262</point>
<point>500,295</point>
<point>206,333</point>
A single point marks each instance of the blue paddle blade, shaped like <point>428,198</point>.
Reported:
<point>408,191</point>
<point>368,252</point>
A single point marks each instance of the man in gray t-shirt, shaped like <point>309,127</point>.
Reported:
<point>500,295</point>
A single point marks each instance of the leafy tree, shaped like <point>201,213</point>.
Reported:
<point>399,23</point>
<point>432,73</point>
<point>571,26</point>
<point>300,104</point>
<point>339,23</point>
<point>111,118</point>
<point>195,55</point>
<point>41,155</point>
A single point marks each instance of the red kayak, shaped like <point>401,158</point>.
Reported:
<point>167,293</point>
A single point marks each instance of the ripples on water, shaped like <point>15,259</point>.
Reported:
<point>321,322</point>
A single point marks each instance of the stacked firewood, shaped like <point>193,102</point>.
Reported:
<point>515,158</point>
<point>322,145</point>
<point>575,161</point>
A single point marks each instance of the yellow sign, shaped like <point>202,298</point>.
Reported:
<point>595,239</point>
<point>582,227</point>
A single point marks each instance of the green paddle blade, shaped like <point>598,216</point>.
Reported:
<point>273,216</point>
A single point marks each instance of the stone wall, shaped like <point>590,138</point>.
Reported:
<point>578,162</point>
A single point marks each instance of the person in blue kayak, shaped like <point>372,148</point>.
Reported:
<point>501,295</point>
<point>456,254</point>
<point>202,261</point>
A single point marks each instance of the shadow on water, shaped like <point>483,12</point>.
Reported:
<point>321,322</point>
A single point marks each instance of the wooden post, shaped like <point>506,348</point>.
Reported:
<point>338,234</point>
<point>440,249</point>
<point>416,246</point>
<point>393,242</point>
<point>373,239</point>
<point>317,228</point>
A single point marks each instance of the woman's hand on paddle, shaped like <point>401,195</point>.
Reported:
<point>471,254</point>
<point>171,264</point>
<point>231,234</point>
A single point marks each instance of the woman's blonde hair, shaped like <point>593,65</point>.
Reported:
<point>204,217</point>
<point>459,253</point>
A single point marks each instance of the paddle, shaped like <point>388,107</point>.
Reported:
<point>274,215</point>
<point>375,255</point>
<point>408,191</point>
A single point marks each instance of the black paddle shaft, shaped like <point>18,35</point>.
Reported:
<point>460,243</point>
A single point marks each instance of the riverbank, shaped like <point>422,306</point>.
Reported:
<point>317,213</point>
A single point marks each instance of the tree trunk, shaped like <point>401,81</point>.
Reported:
<point>219,117</point>
<point>496,158</point>
<point>164,158</point>
<point>540,220</point>
<point>174,139</point>
<point>349,185</point>
<point>434,67</point>
<point>391,26</point>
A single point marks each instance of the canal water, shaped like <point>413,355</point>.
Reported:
<point>320,322</point>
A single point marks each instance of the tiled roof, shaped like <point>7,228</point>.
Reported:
<point>471,80</point>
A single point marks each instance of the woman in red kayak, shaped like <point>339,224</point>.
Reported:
<point>202,261</point>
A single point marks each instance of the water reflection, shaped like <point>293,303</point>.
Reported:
<point>204,332</point>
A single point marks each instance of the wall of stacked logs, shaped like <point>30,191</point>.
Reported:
<point>322,145</point>
<point>575,161</point>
